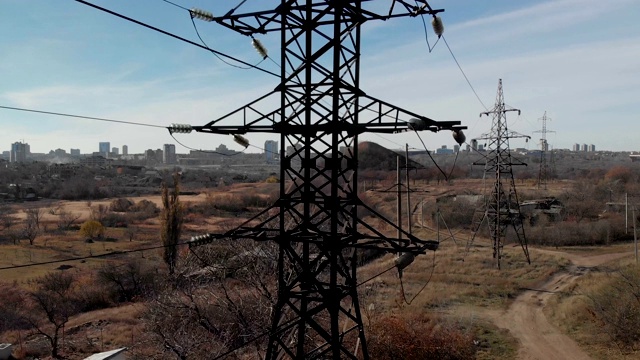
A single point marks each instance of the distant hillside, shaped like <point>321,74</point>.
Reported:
<point>372,156</point>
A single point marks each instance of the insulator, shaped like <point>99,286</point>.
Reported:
<point>417,124</point>
<point>241,140</point>
<point>459,136</point>
<point>438,26</point>
<point>201,14</point>
<point>200,239</point>
<point>404,260</point>
<point>181,128</point>
<point>260,48</point>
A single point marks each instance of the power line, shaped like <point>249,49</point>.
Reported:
<point>79,116</point>
<point>176,5</point>
<point>463,73</point>
<point>195,27</point>
<point>205,151</point>
<point>175,36</point>
<point>433,267</point>
<point>111,253</point>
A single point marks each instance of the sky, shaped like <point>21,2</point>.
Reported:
<point>576,60</point>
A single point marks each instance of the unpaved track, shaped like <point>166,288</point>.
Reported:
<point>539,339</point>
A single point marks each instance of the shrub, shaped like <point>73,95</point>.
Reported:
<point>418,337</point>
<point>616,307</point>
<point>92,229</point>
<point>120,205</point>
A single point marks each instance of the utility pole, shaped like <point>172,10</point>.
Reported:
<point>406,166</point>
<point>315,221</point>
<point>398,198</point>
<point>501,207</point>
<point>543,173</point>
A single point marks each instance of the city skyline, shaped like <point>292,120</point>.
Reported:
<point>574,59</point>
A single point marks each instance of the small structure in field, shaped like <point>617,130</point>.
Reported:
<point>117,354</point>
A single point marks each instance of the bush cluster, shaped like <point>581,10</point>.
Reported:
<point>418,337</point>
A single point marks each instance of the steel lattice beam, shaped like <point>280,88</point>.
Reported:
<point>315,221</point>
<point>501,208</point>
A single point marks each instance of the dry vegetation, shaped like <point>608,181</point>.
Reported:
<point>204,308</point>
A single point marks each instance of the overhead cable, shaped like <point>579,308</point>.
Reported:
<point>175,36</point>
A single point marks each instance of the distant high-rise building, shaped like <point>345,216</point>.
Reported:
<point>474,144</point>
<point>75,152</point>
<point>125,150</point>
<point>456,148</point>
<point>576,147</point>
<point>271,150</point>
<point>169,154</point>
<point>583,147</point>
<point>115,150</point>
<point>591,148</point>
<point>104,147</point>
<point>19,152</point>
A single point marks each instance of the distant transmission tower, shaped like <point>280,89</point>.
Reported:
<point>502,208</point>
<point>321,112</point>
<point>543,173</point>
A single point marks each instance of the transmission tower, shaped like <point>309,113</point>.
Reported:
<point>501,208</point>
<point>315,221</point>
<point>543,173</point>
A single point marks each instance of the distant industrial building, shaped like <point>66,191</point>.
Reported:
<point>271,151</point>
<point>19,152</point>
<point>104,147</point>
<point>169,154</point>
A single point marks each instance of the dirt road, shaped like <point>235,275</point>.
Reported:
<point>539,339</point>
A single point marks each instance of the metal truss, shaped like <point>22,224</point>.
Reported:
<point>501,208</point>
<point>315,220</point>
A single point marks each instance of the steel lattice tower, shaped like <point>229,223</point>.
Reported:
<point>315,221</point>
<point>501,208</point>
<point>543,173</point>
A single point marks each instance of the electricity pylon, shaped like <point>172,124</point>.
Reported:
<point>315,221</point>
<point>543,173</point>
<point>501,207</point>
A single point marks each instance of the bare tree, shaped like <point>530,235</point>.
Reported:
<point>31,229</point>
<point>35,214</point>
<point>129,280</point>
<point>171,219</point>
<point>131,232</point>
<point>52,303</point>
<point>67,219</point>
<point>98,213</point>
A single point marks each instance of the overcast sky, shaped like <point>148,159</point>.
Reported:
<point>578,60</point>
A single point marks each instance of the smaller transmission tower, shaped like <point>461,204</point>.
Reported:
<point>543,173</point>
<point>501,208</point>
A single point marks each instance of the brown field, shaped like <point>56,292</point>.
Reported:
<point>462,287</point>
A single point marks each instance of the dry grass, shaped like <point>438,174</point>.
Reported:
<point>454,281</point>
<point>457,288</point>
<point>571,311</point>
